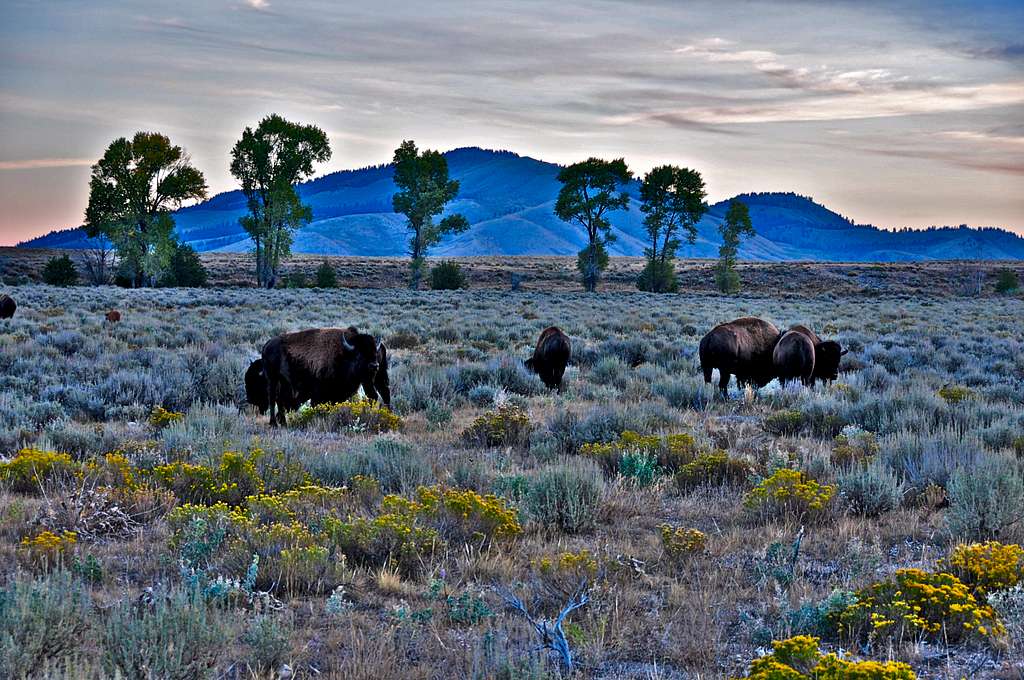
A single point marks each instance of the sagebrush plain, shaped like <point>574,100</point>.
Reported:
<point>916,449</point>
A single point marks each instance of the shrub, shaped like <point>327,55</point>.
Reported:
<point>714,469</point>
<point>232,480</point>
<point>41,621</point>
<point>361,415</point>
<point>640,467</point>
<point>178,637</point>
<point>507,425</point>
<point>1007,281</point>
<point>798,658</point>
<point>566,496</point>
<point>633,454</point>
<point>390,461</point>
<point>679,542</point>
<point>787,422</point>
<point>576,565</point>
<point>31,467</point>
<point>726,279</point>
<point>985,500</point>
<point>854,445</point>
<point>269,643</point>
<point>1009,607</point>
<point>658,277</point>
<point>325,275</point>
<point>47,549</point>
<point>161,417</point>
<point>789,493</point>
<point>185,269</point>
<point>447,276</point>
<point>987,567</point>
<point>915,603</point>
<point>954,394</point>
<point>60,271</point>
<point>871,490</point>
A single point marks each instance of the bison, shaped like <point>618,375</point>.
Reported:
<point>742,348</point>
<point>550,357</point>
<point>256,386</point>
<point>7,306</point>
<point>322,365</point>
<point>113,316</point>
<point>793,358</point>
<point>827,355</point>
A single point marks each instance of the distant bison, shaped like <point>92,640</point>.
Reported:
<point>321,365</point>
<point>113,316</point>
<point>7,306</point>
<point>827,355</point>
<point>793,358</point>
<point>550,357</point>
<point>742,348</point>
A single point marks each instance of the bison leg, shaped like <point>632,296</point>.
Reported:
<point>370,391</point>
<point>723,382</point>
<point>272,389</point>
<point>708,370</point>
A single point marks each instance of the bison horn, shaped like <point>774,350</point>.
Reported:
<point>346,344</point>
<point>380,343</point>
<point>845,351</point>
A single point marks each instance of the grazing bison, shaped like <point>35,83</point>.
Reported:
<point>827,354</point>
<point>322,365</point>
<point>256,386</point>
<point>793,358</point>
<point>742,348</point>
<point>550,357</point>
<point>7,306</point>
<point>113,316</point>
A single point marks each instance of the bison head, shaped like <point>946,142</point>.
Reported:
<point>826,359</point>
<point>361,349</point>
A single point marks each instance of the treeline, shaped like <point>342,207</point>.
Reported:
<point>138,183</point>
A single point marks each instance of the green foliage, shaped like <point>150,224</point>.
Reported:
<point>268,162</point>
<point>566,496</point>
<point>590,190</point>
<point>447,276</point>
<point>185,269</point>
<point>1007,281</point>
<point>640,467</point>
<point>789,494</point>
<point>871,489</point>
<point>30,468</point>
<point>326,277</point>
<point>268,642</point>
<point>591,257</point>
<point>132,191</point>
<point>985,499</point>
<point>672,201</point>
<point>713,469</point>
<point>735,227</point>
<point>177,637</point>
<point>423,191</point>
<point>787,422</point>
<point>507,425</point>
<point>60,271</point>
<point>41,621</point>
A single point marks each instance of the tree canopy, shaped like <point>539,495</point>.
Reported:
<point>590,190</point>
<point>268,162</point>
<point>424,190</point>
<point>132,191</point>
<point>672,202</point>
<point>736,225</point>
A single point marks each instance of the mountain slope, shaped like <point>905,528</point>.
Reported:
<point>509,201</point>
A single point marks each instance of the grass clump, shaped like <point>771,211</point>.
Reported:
<point>361,415</point>
<point>566,497</point>
<point>798,658</point>
<point>785,423</point>
<point>41,622</point>
<point>955,394</point>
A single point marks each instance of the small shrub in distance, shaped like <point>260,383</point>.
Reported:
<point>954,394</point>
<point>871,490</point>
<point>41,621</point>
<point>658,277</point>
<point>798,658</point>
<point>326,277</point>
<point>47,550</point>
<point>1007,281</point>
<point>185,270</point>
<point>507,425</point>
<point>60,271</point>
<point>726,279</point>
<point>789,494</point>
<point>681,542</point>
<point>713,469</point>
<point>447,276</point>
<point>787,422</point>
<point>361,415</point>
<point>985,499</point>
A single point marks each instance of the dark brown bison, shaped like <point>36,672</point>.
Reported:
<point>7,306</point>
<point>827,355</point>
<point>113,316</point>
<point>742,348</point>
<point>793,358</point>
<point>550,357</point>
<point>322,365</point>
<point>256,386</point>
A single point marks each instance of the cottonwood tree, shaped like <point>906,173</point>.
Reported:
<point>132,191</point>
<point>672,203</point>
<point>268,162</point>
<point>736,226</point>
<point>590,190</point>
<point>424,190</point>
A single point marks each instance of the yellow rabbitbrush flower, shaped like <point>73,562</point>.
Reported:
<point>359,414</point>
<point>576,564</point>
<point>798,658</point>
<point>160,417</point>
<point>507,425</point>
<point>680,542</point>
<point>672,451</point>
<point>47,548</point>
<point>31,467</point>
<point>789,492</point>
<point>918,604</point>
<point>987,567</point>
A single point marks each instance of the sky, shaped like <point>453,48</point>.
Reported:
<point>900,114</point>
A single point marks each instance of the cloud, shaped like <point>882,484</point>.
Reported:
<point>37,163</point>
<point>257,4</point>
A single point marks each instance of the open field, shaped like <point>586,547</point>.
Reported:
<point>918,447</point>
<point>931,279</point>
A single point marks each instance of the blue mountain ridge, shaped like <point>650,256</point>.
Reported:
<point>509,201</point>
